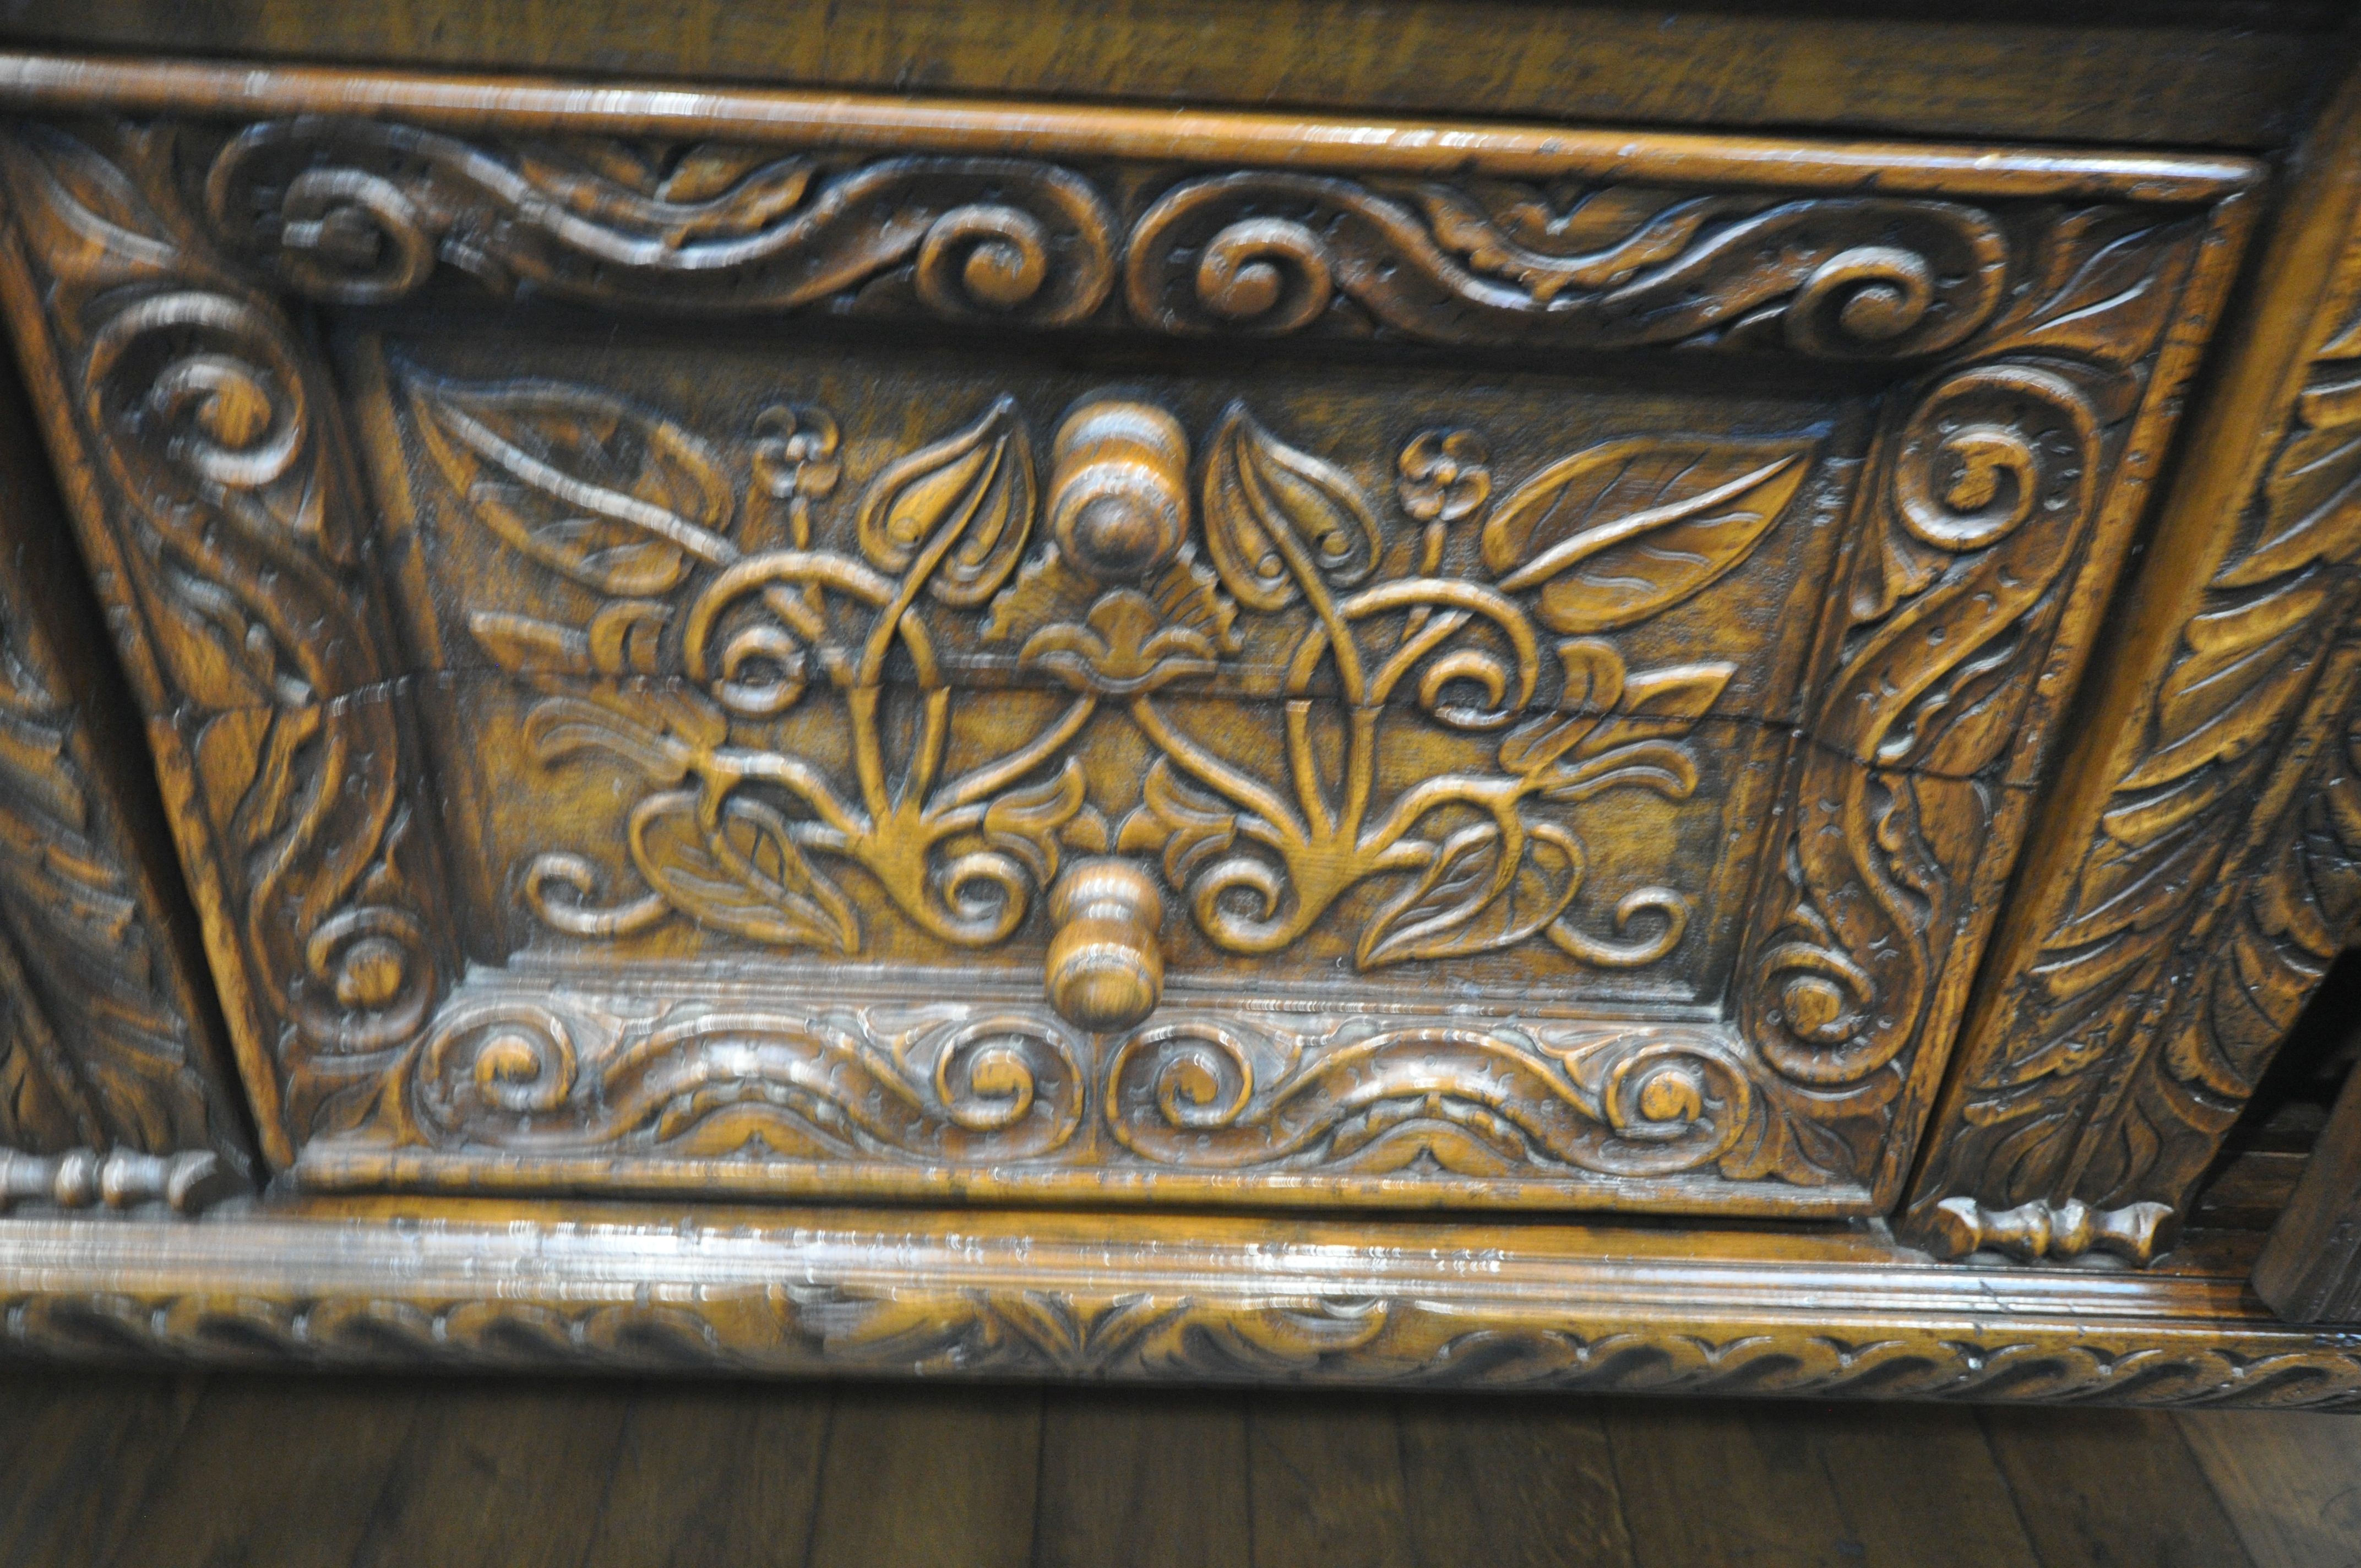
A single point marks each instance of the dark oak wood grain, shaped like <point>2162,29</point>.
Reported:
<point>2236,76</point>
<point>1526,1484</point>
<point>715,1472</point>
<point>2106,1513</point>
<point>1325,1482</point>
<point>1167,1491</point>
<point>2292,1489</point>
<point>2309,1270</point>
<point>965,1496</point>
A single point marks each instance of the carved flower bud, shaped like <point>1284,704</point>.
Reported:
<point>795,452</point>
<point>1442,476</point>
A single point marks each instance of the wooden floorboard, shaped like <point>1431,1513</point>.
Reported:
<point>159,1471</point>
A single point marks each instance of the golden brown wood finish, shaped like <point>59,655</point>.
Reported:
<point>114,1086</point>
<point>2181,74</point>
<point>972,1293</point>
<point>2194,872</point>
<point>1538,828</point>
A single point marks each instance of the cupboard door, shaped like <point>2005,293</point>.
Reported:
<point>786,644</point>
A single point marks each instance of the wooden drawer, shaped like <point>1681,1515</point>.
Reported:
<point>855,646</point>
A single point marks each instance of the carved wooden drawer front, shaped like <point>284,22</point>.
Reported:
<point>799,645</point>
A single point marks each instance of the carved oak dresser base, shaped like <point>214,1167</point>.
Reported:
<point>1441,751</point>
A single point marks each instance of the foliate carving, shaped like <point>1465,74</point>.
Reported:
<point>775,637</point>
<point>1496,261</point>
<point>897,1096</point>
<point>234,541</point>
<point>1985,498</point>
<point>2192,924</point>
<point>923,1085</point>
<point>2286,924</point>
<point>629,507</point>
<point>623,502</point>
<point>361,212</point>
<point>1214,1094</point>
<point>843,1299</point>
<point>104,1042</point>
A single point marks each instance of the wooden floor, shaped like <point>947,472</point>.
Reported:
<point>156,1471</point>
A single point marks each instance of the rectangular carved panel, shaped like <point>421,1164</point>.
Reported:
<point>1473,667</point>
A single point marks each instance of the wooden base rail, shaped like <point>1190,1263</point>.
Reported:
<point>376,1284</point>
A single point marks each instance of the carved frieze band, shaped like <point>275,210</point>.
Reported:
<point>1479,1109</point>
<point>361,212</point>
<point>1120,563</point>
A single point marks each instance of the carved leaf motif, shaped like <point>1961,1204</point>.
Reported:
<point>1123,648</point>
<point>620,639</point>
<point>1463,902</point>
<point>92,221</point>
<point>1187,825</point>
<point>1026,822</point>
<point>2108,286</point>
<point>2232,684</point>
<point>1616,727</point>
<point>606,494</point>
<point>1617,532</point>
<point>1279,521</point>
<point>2312,498</point>
<point>1550,243</point>
<point>955,514</point>
<point>745,876</point>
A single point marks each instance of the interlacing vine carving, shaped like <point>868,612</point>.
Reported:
<point>731,833</point>
<point>738,836</point>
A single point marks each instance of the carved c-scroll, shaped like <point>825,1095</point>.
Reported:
<point>235,528</point>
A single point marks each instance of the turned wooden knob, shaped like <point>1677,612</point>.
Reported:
<point>1119,489</point>
<point>1104,970</point>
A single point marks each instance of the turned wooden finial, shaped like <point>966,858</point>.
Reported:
<point>1104,970</point>
<point>1119,489</point>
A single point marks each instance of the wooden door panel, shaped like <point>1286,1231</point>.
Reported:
<point>1545,641</point>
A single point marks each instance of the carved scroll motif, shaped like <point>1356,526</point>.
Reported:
<point>2063,1098</point>
<point>1986,495</point>
<point>235,539</point>
<point>361,212</point>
